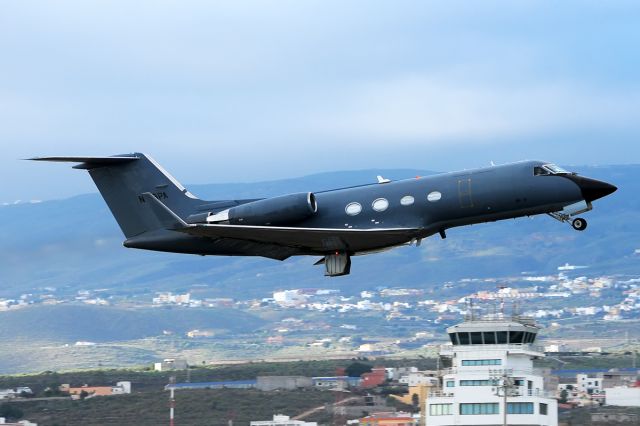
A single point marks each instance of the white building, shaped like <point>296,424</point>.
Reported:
<point>289,297</point>
<point>170,298</point>
<point>589,384</point>
<point>280,420</point>
<point>418,378</point>
<point>171,364</point>
<point>14,393</point>
<point>3,421</point>
<point>7,393</point>
<point>489,356</point>
<point>623,396</point>
<point>121,388</point>
<point>395,373</point>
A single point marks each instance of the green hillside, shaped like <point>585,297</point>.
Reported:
<point>101,324</point>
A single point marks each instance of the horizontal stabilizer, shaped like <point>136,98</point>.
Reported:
<point>88,162</point>
<point>165,216</point>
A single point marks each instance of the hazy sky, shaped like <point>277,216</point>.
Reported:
<point>252,90</point>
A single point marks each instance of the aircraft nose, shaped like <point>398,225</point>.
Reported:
<point>593,189</point>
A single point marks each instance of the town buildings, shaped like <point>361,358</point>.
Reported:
<point>624,396</point>
<point>85,391</point>
<point>270,383</point>
<point>3,422</point>
<point>388,419</point>
<point>592,388</point>
<point>15,392</point>
<point>171,364</point>
<point>281,420</point>
<point>492,375</point>
<point>374,378</point>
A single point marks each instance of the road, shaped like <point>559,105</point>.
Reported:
<point>322,407</point>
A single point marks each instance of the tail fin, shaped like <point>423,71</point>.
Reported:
<point>123,181</point>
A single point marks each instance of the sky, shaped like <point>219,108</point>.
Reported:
<point>241,91</point>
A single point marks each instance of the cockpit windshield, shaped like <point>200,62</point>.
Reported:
<point>556,170</point>
<point>549,169</point>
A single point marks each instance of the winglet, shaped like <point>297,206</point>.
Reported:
<point>383,180</point>
<point>164,214</point>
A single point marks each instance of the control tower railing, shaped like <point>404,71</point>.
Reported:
<point>447,350</point>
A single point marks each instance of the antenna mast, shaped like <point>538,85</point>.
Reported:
<point>172,399</point>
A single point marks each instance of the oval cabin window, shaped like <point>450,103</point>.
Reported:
<point>380,205</point>
<point>434,196</point>
<point>407,200</point>
<point>353,209</point>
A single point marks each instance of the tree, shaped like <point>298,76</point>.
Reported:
<point>357,369</point>
<point>10,411</point>
<point>563,396</point>
<point>415,400</point>
<point>52,390</point>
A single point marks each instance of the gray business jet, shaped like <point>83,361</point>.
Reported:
<point>155,212</point>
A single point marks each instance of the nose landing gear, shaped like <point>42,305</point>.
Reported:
<point>579,224</point>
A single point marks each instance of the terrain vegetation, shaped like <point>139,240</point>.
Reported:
<point>148,404</point>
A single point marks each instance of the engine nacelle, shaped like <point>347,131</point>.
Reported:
<point>278,211</point>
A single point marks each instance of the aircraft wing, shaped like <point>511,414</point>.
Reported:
<point>320,240</point>
<point>315,240</point>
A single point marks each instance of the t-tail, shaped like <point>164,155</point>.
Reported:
<point>127,181</point>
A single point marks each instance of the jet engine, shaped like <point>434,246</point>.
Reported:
<point>277,211</point>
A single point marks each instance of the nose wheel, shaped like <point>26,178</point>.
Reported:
<point>579,224</point>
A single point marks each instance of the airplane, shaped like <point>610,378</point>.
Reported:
<point>155,212</point>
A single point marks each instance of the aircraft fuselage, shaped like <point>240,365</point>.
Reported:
<point>335,223</point>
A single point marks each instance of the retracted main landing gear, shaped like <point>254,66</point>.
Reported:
<point>336,264</point>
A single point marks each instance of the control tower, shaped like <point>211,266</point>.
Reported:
<point>492,380</point>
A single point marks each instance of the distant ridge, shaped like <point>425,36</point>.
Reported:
<point>75,244</point>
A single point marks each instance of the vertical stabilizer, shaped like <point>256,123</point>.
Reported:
<point>124,180</point>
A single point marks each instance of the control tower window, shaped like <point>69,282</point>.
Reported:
<point>516,336</point>
<point>476,338</point>
<point>464,338</point>
<point>489,338</point>
<point>502,337</point>
<point>453,338</point>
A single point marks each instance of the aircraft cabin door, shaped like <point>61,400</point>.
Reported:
<point>465,194</point>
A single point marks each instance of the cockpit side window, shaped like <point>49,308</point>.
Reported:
<point>540,171</point>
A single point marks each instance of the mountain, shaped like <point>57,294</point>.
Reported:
<point>105,324</point>
<point>75,244</point>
